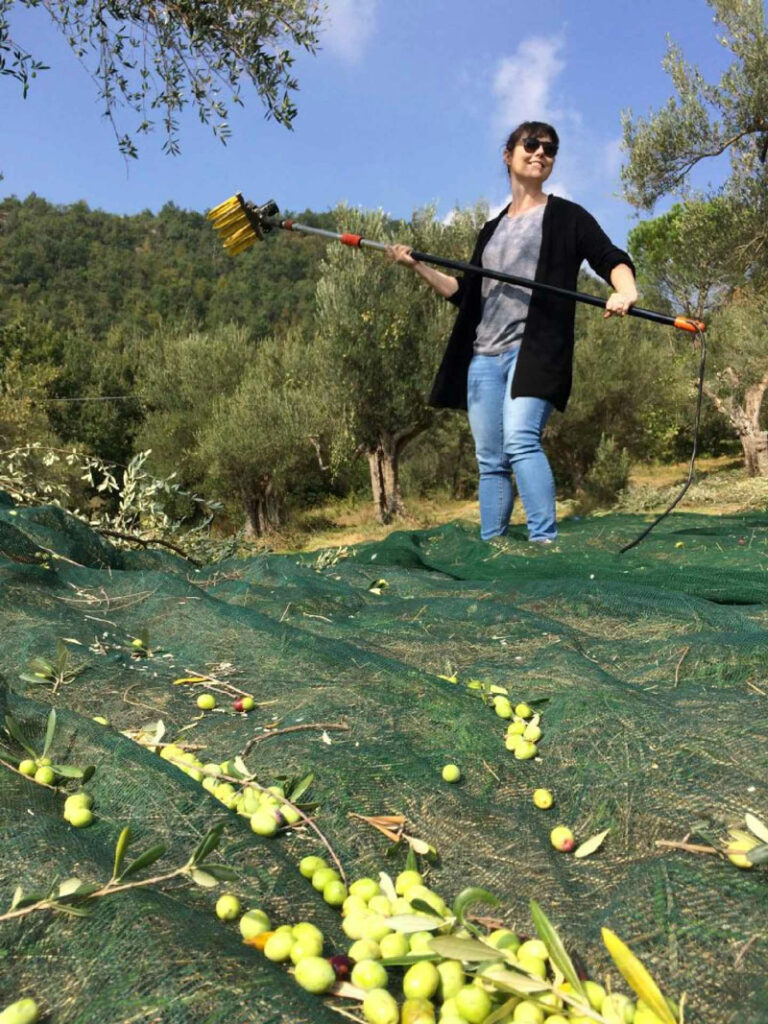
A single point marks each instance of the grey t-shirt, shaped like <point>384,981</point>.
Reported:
<point>514,249</point>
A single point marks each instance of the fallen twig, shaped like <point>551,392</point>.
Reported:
<point>688,847</point>
<point>679,664</point>
<point>292,728</point>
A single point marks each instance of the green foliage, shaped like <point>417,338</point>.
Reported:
<point>22,392</point>
<point>260,437</point>
<point>738,339</point>
<point>704,119</point>
<point>607,476</point>
<point>684,258</point>
<point>631,384</point>
<point>157,62</point>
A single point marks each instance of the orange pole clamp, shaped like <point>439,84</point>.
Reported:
<point>686,324</point>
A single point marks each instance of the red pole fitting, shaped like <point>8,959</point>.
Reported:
<point>353,240</point>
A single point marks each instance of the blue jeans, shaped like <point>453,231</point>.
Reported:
<point>507,433</point>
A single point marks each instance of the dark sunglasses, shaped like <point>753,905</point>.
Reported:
<point>530,145</point>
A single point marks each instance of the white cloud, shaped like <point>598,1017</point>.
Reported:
<point>523,83</point>
<point>348,27</point>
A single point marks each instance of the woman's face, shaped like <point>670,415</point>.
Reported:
<point>529,167</point>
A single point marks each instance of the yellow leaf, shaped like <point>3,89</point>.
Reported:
<point>637,976</point>
<point>190,679</point>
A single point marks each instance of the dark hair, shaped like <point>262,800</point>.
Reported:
<point>531,128</point>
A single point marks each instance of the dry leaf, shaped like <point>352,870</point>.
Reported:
<point>592,844</point>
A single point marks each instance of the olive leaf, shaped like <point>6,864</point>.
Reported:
<point>422,907</point>
<point>557,952</point>
<point>208,843</point>
<point>298,791</point>
<point>407,960</point>
<point>453,948</point>
<point>67,908</point>
<point>758,854</point>
<point>83,889</point>
<point>120,847</point>
<point>502,1013</point>
<point>518,981</point>
<point>241,766</point>
<point>69,886</point>
<point>757,827</point>
<point>143,861</point>
<point>637,977</point>
<point>221,872</point>
<point>411,861</point>
<point>26,899</point>
<point>203,878</point>
<point>68,771</point>
<point>50,730</point>
<point>407,923</point>
<point>43,666</point>
<point>468,897</point>
<point>591,845</point>
<point>14,731</point>
<point>387,886</point>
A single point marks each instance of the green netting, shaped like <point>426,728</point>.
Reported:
<point>654,664</point>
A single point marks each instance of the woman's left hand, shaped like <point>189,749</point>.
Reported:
<point>619,304</point>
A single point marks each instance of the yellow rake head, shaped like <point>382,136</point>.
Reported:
<point>240,223</point>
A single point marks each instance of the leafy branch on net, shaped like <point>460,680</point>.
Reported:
<point>247,780</point>
<point>59,671</point>
<point>72,896</point>
<point>39,766</point>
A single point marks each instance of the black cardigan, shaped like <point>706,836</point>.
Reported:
<point>544,367</point>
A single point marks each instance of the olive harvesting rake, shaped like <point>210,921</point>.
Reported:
<point>240,224</point>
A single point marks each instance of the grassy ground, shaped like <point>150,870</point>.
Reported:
<point>721,488</point>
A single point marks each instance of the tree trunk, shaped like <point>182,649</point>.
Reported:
<point>384,464</point>
<point>756,453</point>
<point>262,509</point>
<point>385,484</point>
<point>745,419</point>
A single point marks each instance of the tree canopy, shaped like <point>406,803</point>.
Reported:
<point>705,119</point>
<point>156,59</point>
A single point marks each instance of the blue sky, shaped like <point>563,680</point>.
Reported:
<point>408,102</point>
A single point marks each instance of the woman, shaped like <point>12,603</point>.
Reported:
<point>509,358</point>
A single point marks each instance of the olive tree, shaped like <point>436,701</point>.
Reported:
<point>380,334</point>
<point>703,120</point>
<point>156,59</point>
<point>258,441</point>
<point>706,119</point>
<point>741,373</point>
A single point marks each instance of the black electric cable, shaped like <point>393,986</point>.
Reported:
<point>696,426</point>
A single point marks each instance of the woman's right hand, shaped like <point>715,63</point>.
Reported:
<point>401,254</point>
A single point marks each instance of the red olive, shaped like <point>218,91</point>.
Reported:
<point>342,965</point>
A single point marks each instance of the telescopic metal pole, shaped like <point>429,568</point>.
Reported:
<point>682,323</point>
